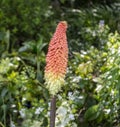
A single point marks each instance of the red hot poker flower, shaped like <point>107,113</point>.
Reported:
<point>56,59</point>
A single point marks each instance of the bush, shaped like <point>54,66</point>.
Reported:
<point>90,96</point>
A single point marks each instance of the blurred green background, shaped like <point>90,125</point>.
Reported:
<point>90,97</point>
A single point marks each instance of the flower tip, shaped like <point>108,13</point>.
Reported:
<point>64,23</point>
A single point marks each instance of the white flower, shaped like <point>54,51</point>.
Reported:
<point>48,113</point>
<point>13,106</point>
<point>11,64</point>
<point>49,104</point>
<point>12,124</point>
<point>69,94</point>
<point>22,112</point>
<point>23,99</point>
<point>62,111</point>
<point>15,111</point>
<point>98,88</point>
<point>59,97</point>
<point>110,77</point>
<point>107,111</point>
<point>18,58</point>
<point>64,103</point>
<point>38,111</point>
<point>76,79</point>
<point>71,116</point>
<point>81,97</point>
<point>112,92</point>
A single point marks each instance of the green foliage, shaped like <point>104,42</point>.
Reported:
<point>90,97</point>
<point>92,113</point>
<point>110,80</point>
<point>24,20</point>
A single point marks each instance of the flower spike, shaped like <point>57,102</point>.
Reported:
<point>56,59</point>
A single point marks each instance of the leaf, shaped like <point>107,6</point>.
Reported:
<point>7,37</point>
<point>62,1</point>
<point>2,35</point>
<point>92,113</point>
<point>40,45</point>
<point>4,107</point>
<point>4,91</point>
<point>36,124</point>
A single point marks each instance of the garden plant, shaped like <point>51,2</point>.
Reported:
<point>83,81</point>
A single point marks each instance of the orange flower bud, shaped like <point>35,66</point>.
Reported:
<point>56,59</point>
